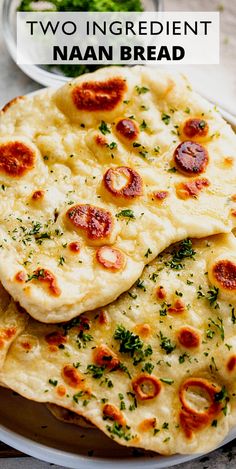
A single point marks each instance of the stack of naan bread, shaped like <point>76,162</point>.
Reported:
<point>121,183</point>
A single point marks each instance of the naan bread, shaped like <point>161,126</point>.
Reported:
<point>99,177</point>
<point>157,368</point>
<point>12,323</point>
<point>67,416</point>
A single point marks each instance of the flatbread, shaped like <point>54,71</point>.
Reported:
<point>99,177</point>
<point>13,321</point>
<point>67,416</point>
<point>156,369</point>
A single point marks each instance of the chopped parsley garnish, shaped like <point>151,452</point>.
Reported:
<point>112,145</point>
<point>141,89</point>
<point>166,344</point>
<point>165,426</point>
<point>76,365</point>
<point>129,342</point>
<point>53,382</point>
<point>164,309</point>
<point>125,369</point>
<point>210,334</point>
<point>126,213</point>
<point>132,344</point>
<point>233,317</point>
<point>134,404</point>
<point>122,405</point>
<point>187,110</point>
<point>118,430</point>
<point>185,251</point>
<point>148,367</point>
<point>140,284</point>
<point>83,338</point>
<point>165,118</point>
<point>148,252</point>
<point>74,323</point>
<point>219,325</point>
<point>77,396</point>
<point>143,125</point>
<point>167,380</point>
<point>157,149</point>
<point>148,351</point>
<point>35,229</point>
<point>222,396</point>
<point>96,371</point>
<point>153,277</point>
<point>172,170</point>
<point>104,128</point>
<point>182,358</point>
<point>61,260</point>
<point>36,275</point>
<point>143,153</point>
<point>212,295</point>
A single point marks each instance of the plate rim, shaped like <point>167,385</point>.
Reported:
<point>74,461</point>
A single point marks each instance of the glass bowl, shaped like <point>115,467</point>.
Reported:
<point>40,73</point>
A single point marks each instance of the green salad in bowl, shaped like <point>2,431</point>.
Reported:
<point>79,5</point>
<point>56,75</point>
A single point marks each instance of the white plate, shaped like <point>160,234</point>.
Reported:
<point>29,427</point>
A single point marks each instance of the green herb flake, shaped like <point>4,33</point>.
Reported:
<point>165,426</point>
<point>185,251</point>
<point>104,128</point>
<point>141,89</point>
<point>96,371</point>
<point>167,380</point>
<point>212,295</point>
<point>118,430</point>
<point>219,325</point>
<point>148,253</point>
<point>126,213</point>
<point>165,118</point>
<point>140,284</point>
<point>143,125</point>
<point>77,396</point>
<point>61,260</point>
<point>233,317</point>
<point>112,145</point>
<point>148,367</point>
<point>53,382</point>
<point>129,342</point>
<point>166,344</point>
